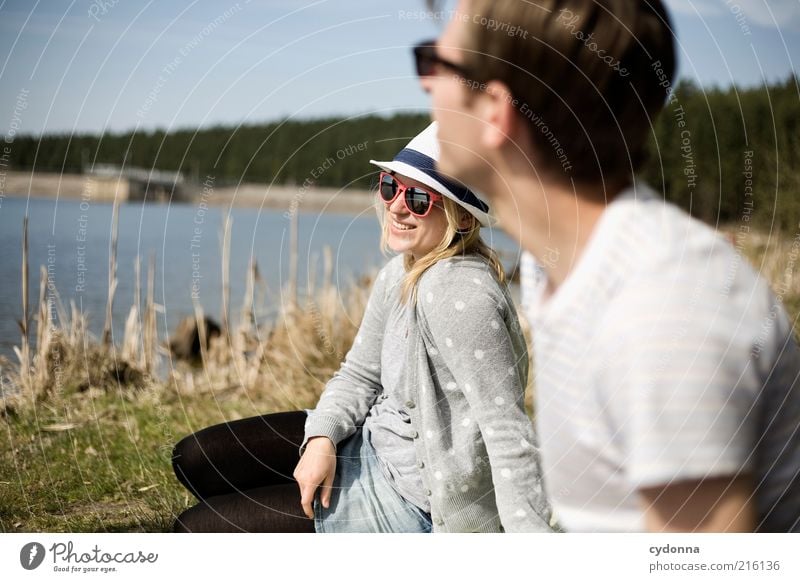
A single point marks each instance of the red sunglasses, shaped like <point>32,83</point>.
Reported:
<point>417,201</point>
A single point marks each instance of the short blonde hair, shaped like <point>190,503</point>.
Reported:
<point>454,242</point>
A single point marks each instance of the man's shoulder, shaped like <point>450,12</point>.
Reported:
<point>679,271</point>
<point>659,242</point>
<point>654,230</point>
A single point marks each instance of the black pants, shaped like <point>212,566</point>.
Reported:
<point>241,474</point>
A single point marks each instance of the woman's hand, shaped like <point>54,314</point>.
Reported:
<point>317,467</point>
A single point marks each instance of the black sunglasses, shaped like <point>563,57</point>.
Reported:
<point>426,59</point>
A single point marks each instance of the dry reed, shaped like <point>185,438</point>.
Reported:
<point>281,364</point>
<point>23,352</point>
<point>112,273</point>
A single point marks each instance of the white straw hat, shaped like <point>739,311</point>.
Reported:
<point>418,161</point>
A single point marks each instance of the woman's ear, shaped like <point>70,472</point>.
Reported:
<point>465,221</point>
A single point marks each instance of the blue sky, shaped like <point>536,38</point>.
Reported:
<point>113,65</point>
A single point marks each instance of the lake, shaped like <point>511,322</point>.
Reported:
<point>72,238</point>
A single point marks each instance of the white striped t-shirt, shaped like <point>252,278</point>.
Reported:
<point>662,357</point>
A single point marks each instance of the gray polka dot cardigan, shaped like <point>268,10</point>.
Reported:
<point>466,366</point>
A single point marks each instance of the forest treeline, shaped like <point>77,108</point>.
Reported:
<point>727,155</point>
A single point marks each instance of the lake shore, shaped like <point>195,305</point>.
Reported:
<point>246,195</point>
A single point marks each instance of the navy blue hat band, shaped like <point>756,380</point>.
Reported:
<point>428,165</point>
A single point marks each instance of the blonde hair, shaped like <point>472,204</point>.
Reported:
<point>455,241</point>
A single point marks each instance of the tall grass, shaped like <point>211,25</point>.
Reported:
<point>282,365</point>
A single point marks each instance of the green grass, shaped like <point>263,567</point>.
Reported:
<point>101,463</point>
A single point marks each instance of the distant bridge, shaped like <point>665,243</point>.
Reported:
<point>107,181</point>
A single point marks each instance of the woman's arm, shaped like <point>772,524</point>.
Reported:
<point>351,392</point>
<point>488,360</point>
<point>344,404</point>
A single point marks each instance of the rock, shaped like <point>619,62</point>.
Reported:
<point>185,342</point>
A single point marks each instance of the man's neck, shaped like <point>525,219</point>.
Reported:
<point>552,222</point>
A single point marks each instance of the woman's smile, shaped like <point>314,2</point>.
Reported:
<point>400,226</point>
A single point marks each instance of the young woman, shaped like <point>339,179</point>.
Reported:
<point>423,428</point>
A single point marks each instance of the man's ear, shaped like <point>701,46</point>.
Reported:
<point>498,112</point>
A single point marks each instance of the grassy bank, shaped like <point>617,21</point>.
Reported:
<point>101,462</point>
<point>88,430</point>
<point>95,455</point>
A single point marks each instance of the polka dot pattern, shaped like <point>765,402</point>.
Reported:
<point>447,470</point>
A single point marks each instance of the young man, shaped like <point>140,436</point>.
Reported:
<point>667,391</point>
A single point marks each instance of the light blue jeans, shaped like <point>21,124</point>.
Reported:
<point>363,500</point>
